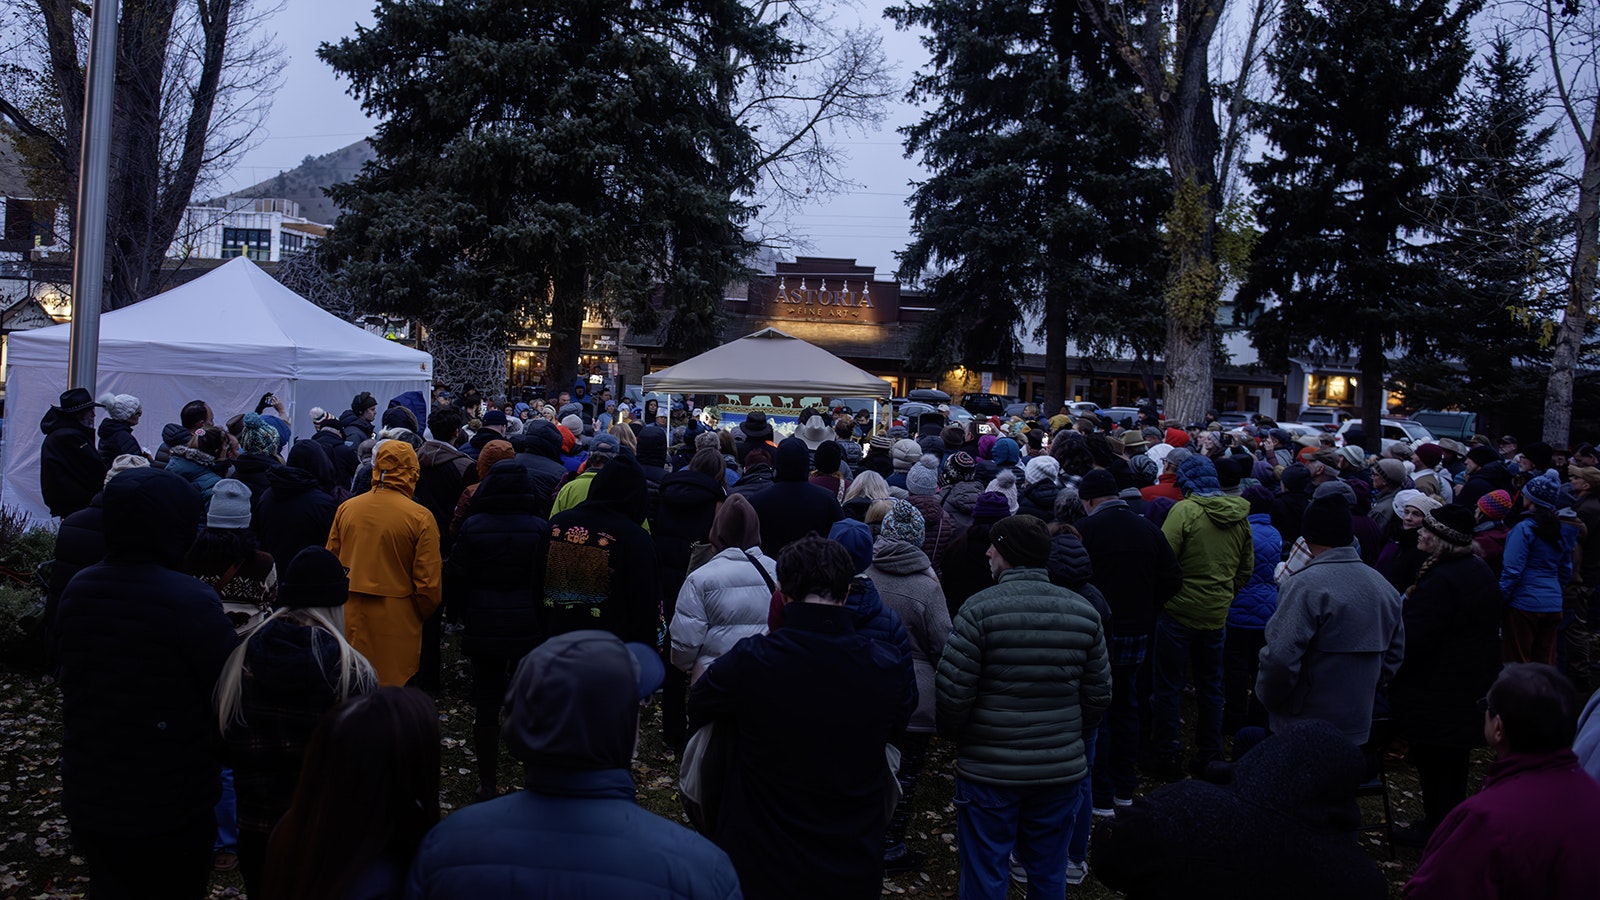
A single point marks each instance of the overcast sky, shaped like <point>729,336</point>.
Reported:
<point>313,115</point>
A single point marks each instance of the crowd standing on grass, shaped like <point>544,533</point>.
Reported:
<point>247,626</point>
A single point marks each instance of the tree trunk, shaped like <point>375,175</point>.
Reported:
<point>1055,352</point>
<point>566,333</point>
<point>1187,392</point>
<point>1569,339</point>
<point>1373,366</point>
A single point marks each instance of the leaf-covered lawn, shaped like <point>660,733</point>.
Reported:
<point>37,860</point>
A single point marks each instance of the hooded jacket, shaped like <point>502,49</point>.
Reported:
<point>297,510</point>
<point>577,830</point>
<point>652,456</point>
<point>390,544</point>
<point>1282,828</point>
<point>939,531</point>
<point>688,507</point>
<point>141,645</point>
<point>1337,633</point>
<point>172,435</point>
<point>753,480</point>
<point>1255,602</point>
<point>196,467</point>
<point>908,587</point>
<point>444,473</point>
<point>494,577</point>
<point>342,455</point>
<point>1533,571</point>
<point>600,571</point>
<point>958,499</point>
<point>1210,537</point>
<point>492,453</point>
<point>356,427</point>
<point>254,469</point>
<point>1025,657</point>
<point>792,507</point>
<point>116,438</point>
<point>539,451</point>
<point>71,470</point>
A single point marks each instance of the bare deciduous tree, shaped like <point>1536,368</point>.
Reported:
<point>194,80</point>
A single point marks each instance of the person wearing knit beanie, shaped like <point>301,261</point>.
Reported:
<point>827,458</point>
<point>1042,469</point>
<point>1327,522</point>
<point>1429,455</point>
<point>1481,455</point>
<point>1023,541</point>
<point>953,436</point>
<point>125,462</point>
<point>924,476</point>
<point>1097,483</point>
<point>1393,472</point>
<point>1005,452</point>
<point>1413,499</point>
<point>990,507</point>
<point>1005,483</point>
<point>903,522</point>
<point>122,407</point>
<point>230,505</point>
<point>905,454</point>
<point>1496,505</point>
<point>259,438</point>
<point>1543,492</point>
<point>959,467</point>
<point>1451,524</point>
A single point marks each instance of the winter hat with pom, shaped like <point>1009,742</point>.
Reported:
<point>1043,468</point>
<point>121,407</point>
<point>258,438</point>
<point>924,476</point>
<point>1005,452</point>
<point>1005,483</point>
<point>1542,491</point>
<point>990,507</point>
<point>903,523</point>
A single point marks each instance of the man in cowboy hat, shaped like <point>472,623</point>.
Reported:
<point>71,470</point>
<point>754,431</point>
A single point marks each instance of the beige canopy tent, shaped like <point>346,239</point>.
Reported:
<point>768,361</point>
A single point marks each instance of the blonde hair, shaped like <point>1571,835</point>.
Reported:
<point>868,484</point>
<point>625,436</point>
<point>356,675</point>
<point>878,511</point>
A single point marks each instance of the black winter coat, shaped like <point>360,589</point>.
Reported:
<point>802,812</point>
<point>141,645</point>
<point>116,438</point>
<point>294,513</point>
<point>1452,629</point>
<point>71,470</point>
<point>445,472</point>
<point>688,505</point>
<point>539,452</point>
<point>1133,566</point>
<point>356,428</point>
<point>1288,509</point>
<point>754,480</point>
<point>1496,476</point>
<point>600,570</point>
<point>965,570</point>
<point>253,469</point>
<point>495,575</point>
<point>792,507</point>
<point>1070,567</point>
<point>342,455</point>
<point>1038,499</point>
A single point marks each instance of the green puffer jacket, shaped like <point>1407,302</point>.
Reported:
<point>1211,538</point>
<point>1024,673</point>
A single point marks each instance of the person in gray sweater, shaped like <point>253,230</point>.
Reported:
<point>1336,635</point>
<point>905,581</point>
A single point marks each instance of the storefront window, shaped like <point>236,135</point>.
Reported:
<point>1330,390</point>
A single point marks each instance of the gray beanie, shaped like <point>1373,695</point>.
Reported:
<point>905,454</point>
<point>924,476</point>
<point>604,446</point>
<point>230,505</point>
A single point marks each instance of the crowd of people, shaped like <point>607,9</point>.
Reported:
<point>248,629</point>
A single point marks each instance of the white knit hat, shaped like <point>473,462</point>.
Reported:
<point>119,406</point>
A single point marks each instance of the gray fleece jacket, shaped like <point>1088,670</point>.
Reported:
<point>1336,634</point>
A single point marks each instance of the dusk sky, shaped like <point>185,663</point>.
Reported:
<point>313,115</point>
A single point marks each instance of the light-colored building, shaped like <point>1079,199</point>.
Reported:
<point>261,229</point>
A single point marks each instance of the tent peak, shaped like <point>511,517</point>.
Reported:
<point>770,333</point>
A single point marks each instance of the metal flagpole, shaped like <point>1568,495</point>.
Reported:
<point>94,166</point>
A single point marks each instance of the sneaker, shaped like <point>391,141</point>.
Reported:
<point>1123,801</point>
<point>1018,873</point>
<point>1077,871</point>
<point>1104,812</point>
<point>908,861</point>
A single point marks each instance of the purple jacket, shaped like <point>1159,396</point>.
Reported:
<point>1531,832</point>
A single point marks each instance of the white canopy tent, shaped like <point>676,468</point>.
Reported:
<point>768,361</point>
<point>225,338</point>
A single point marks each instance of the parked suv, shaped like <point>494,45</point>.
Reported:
<point>1394,430</point>
<point>1448,423</point>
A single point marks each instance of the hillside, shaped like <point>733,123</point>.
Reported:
<point>303,184</point>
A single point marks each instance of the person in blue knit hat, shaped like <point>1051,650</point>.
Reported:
<point>1535,569</point>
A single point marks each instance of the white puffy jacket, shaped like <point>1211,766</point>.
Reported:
<point>721,603</point>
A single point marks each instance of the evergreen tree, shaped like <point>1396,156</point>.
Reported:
<point>1364,119</point>
<point>1043,202</point>
<point>1500,216</point>
<point>536,159</point>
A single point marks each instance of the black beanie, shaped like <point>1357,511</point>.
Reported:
<point>828,457</point>
<point>1097,483</point>
<point>1327,522</point>
<point>313,578</point>
<point>1482,455</point>
<point>1023,540</point>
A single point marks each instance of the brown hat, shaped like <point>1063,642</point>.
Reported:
<point>1587,473</point>
<point>1329,458</point>
<point>1133,440</point>
<point>1022,540</point>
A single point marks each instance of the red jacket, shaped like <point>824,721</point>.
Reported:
<point>1165,486</point>
<point>1531,832</point>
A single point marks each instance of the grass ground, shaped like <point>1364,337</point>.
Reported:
<point>37,860</point>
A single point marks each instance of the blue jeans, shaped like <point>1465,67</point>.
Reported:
<point>1117,739</point>
<point>227,821</point>
<point>992,821</point>
<point>1078,842</point>
<point>1177,649</point>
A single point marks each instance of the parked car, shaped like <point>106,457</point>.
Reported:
<point>1328,417</point>
<point>1233,419</point>
<point>985,404</point>
<point>1395,430</point>
<point>1441,423</point>
<point>1114,415</point>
